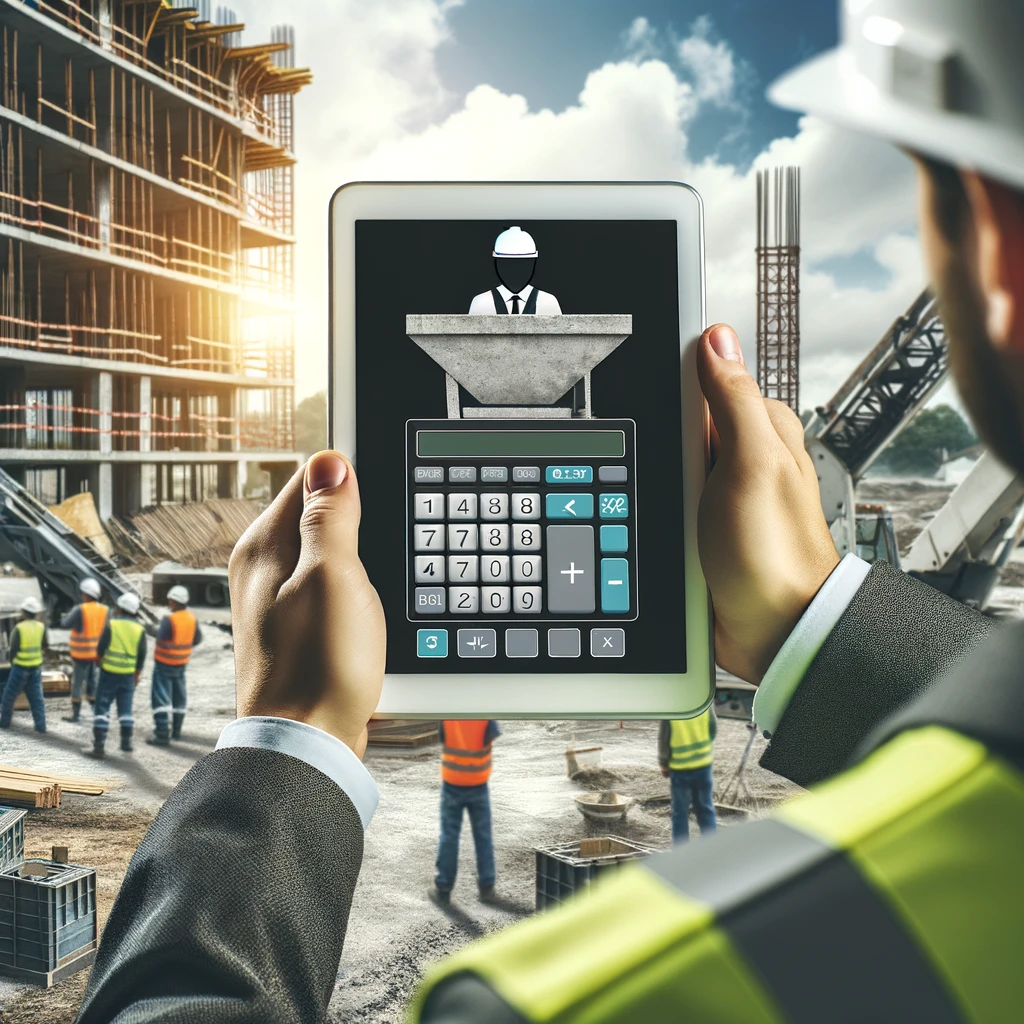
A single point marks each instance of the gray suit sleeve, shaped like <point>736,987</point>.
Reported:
<point>223,917</point>
<point>897,638</point>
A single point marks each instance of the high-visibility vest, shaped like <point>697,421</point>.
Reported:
<point>690,742</point>
<point>465,758</point>
<point>889,893</point>
<point>121,655</point>
<point>84,640</point>
<point>30,643</point>
<point>178,649</point>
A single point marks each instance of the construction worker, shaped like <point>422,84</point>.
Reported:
<point>86,620</point>
<point>515,261</point>
<point>889,893</point>
<point>122,653</point>
<point>178,633</point>
<point>26,644</point>
<point>465,769</point>
<point>685,754</point>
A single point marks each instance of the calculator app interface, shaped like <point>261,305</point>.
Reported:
<point>518,444</point>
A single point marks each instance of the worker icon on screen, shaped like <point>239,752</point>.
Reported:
<point>515,260</point>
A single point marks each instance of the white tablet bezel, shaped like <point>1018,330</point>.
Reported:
<point>510,695</point>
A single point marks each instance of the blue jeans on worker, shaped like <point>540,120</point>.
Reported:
<point>84,679</point>
<point>477,801</point>
<point>167,694</point>
<point>31,681</point>
<point>119,687</point>
<point>691,784</point>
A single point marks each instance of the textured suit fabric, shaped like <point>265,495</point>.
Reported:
<point>235,905</point>
<point>897,637</point>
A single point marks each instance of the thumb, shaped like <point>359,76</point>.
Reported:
<point>733,396</point>
<point>329,525</point>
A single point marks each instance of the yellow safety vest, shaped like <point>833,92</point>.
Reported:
<point>121,655</point>
<point>30,643</point>
<point>690,742</point>
<point>890,893</point>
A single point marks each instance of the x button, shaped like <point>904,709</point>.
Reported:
<point>607,643</point>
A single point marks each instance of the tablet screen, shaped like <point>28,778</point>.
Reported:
<point>519,448</point>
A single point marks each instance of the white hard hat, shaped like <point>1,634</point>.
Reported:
<point>128,603</point>
<point>178,593</point>
<point>942,77</point>
<point>31,605</point>
<point>516,243</point>
<point>90,587</point>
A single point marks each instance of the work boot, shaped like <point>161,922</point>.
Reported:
<point>97,751</point>
<point>126,741</point>
<point>159,740</point>
<point>76,712</point>
<point>441,896</point>
<point>486,893</point>
<point>179,721</point>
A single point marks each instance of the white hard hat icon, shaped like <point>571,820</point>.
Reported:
<point>940,77</point>
<point>515,243</point>
<point>31,606</point>
<point>128,603</point>
<point>178,593</point>
<point>90,588</point>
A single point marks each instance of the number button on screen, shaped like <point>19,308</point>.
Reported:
<point>428,538</point>
<point>493,506</point>
<point>430,568</point>
<point>464,600</point>
<point>525,506</point>
<point>462,568</point>
<point>526,600</point>
<point>496,600</point>
<point>462,506</point>
<point>494,568</point>
<point>429,507</point>
<point>494,538</point>
<point>526,538</point>
<point>526,569</point>
<point>462,537</point>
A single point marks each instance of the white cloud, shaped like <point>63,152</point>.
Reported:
<point>378,109</point>
<point>641,39</point>
<point>711,63</point>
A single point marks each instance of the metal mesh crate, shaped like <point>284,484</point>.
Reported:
<point>12,836</point>
<point>568,868</point>
<point>48,926</point>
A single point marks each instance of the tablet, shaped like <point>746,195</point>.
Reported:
<point>512,371</point>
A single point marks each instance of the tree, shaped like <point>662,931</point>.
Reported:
<point>919,449</point>
<point>311,423</point>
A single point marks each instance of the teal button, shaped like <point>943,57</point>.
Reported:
<point>432,643</point>
<point>614,585</point>
<point>613,506</point>
<point>569,506</point>
<point>614,538</point>
<point>569,474</point>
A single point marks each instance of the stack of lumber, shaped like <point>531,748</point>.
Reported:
<point>24,787</point>
<point>403,734</point>
<point>198,535</point>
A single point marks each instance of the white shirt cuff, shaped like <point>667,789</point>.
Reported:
<point>317,748</point>
<point>787,671</point>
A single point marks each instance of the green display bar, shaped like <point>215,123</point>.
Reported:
<point>520,444</point>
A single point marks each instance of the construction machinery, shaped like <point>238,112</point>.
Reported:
<point>961,550</point>
<point>39,543</point>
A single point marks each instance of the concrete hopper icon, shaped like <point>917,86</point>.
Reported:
<point>518,366</point>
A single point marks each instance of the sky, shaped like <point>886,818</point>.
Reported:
<point>603,89</point>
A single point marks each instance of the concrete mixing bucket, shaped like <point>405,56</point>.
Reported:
<point>518,360</point>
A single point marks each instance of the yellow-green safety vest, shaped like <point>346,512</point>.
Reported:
<point>121,655</point>
<point>30,643</point>
<point>690,742</point>
<point>890,893</point>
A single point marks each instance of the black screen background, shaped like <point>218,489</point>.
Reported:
<point>591,267</point>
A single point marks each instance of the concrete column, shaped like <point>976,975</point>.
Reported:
<point>105,404</point>
<point>105,490</point>
<point>227,480</point>
<point>147,485</point>
<point>103,16</point>
<point>145,407</point>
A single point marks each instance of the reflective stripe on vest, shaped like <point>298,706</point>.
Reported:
<point>884,895</point>
<point>123,652</point>
<point>30,643</point>
<point>465,760</point>
<point>690,742</point>
<point>84,640</point>
<point>178,649</point>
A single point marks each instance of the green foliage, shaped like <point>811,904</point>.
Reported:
<point>918,449</point>
<point>311,423</point>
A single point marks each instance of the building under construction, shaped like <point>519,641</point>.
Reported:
<point>146,251</point>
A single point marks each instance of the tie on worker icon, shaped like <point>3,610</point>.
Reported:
<point>515,262</point>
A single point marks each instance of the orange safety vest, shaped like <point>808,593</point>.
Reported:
<point>465,760</point>
<point>84,640</point>
<point>178,649</point>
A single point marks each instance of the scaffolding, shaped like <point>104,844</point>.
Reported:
<point>778,284</point>
<point>146,239</point>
